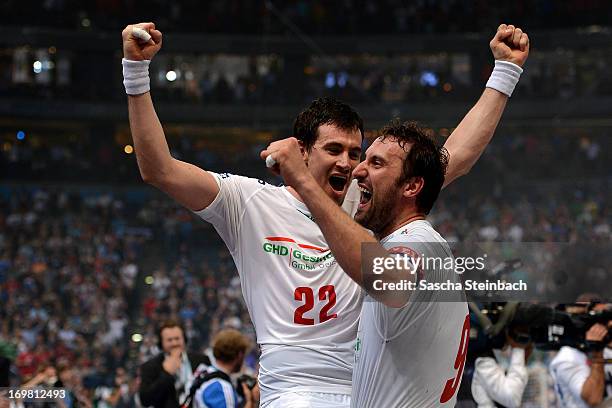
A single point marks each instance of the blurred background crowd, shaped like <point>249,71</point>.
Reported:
<point>92,260</point>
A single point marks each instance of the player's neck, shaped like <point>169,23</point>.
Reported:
<point>294,193</point>
<point>399,222</point>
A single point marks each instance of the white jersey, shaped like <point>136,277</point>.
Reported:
<point>412,357</point>
<point>305,309</point>
<point>570,369</point>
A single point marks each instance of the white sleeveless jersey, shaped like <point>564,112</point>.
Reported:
<point>305,309</point>
<point>412,357</point>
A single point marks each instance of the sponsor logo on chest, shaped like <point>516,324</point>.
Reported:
<point>299,256</point>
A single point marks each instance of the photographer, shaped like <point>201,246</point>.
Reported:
<point>213,387</point>
<point>580,378</point>
<point>493,387</point>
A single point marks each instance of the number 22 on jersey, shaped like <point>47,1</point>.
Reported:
<point>305,294</point>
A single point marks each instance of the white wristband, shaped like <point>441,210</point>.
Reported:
<point>136,76</point>
<point>504,77</point>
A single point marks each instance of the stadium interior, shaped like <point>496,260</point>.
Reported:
<point>92,259</point>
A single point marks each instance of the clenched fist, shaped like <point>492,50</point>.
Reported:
<point>135,49</point>
<point>510,44</point>
<point>289,160</point>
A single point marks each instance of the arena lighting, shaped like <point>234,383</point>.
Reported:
<point>342,79</point>
<point>128,149</point>
<point>171,76</point>
<point>330,80</point>
<point>21,135</point>
<point>428,78</point>
<point>136,337</point>
<point>37,67</point>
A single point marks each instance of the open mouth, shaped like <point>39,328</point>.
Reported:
<point>366,195</point>
<point>338,182</point>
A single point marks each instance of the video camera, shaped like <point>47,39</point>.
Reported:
<point>549,328</point>
<point>553,329</point>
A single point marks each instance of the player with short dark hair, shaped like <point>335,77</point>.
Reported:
<point>324,111</point>
<point>421,161</point>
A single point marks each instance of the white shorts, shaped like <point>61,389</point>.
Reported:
<point>310,400</point>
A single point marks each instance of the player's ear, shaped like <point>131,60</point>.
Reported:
<point>304,151</point>
<point>413,186</point>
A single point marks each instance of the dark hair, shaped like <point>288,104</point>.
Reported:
<point>168,324</point>
<point>426,159</point>
<point>228,344</point>
<point>325,111</point>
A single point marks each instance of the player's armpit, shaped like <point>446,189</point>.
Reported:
<point>189,185</point>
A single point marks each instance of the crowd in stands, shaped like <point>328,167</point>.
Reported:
<point>270,79</point>
<point>74,288</point>
<point>312,17</point>
<point>387,79</point>
<point>577,154</point>
<point>68,272</point>
<point>264,76</point>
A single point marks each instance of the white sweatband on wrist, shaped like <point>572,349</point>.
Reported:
<point>136,76</point>
<point>504,77</point>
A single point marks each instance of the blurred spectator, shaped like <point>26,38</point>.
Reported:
<point>166,378</point>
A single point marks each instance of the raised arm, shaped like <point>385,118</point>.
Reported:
<point>187,184</point>
<point>506,388</point>
<point>469,140</point>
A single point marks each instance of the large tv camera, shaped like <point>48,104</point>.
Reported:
<point>549,328</point>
